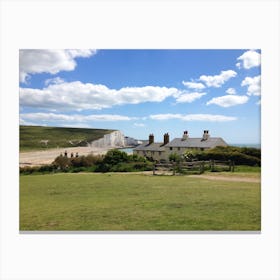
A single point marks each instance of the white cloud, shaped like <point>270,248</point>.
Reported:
<point>258,103</point>
<point>56,80</point>
<point>24,122</point>
<point>194,85</point>
<point>76,118</point>
<point>230,91</point>
<point>228,100</point>
<point>139,124</point>
<point>32,61</point>
<point>80,96</point>
<point>254,85</point>
<point>193,117</point>
<point>189,97</point>
<point>238,65</point>
<point>249,59</point>
<point>218,80</point>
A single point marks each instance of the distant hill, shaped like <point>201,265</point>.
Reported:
<point>42,137</point>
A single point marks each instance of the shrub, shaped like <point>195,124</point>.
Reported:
<point>26,170</point>
<point>46,168</point>
<point>174,157</point>
<point>103,167</point>
<point>230,154</point>
<point>62,163</point>
<point>115,156</point>
<point>189,155</point>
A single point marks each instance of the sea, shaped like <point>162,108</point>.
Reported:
<point>127,150</point>
<point>258,146</point>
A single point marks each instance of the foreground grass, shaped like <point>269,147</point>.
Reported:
<point>136,202</point>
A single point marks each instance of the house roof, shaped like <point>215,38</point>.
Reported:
<point>145,146</point>
<point>211,142</point>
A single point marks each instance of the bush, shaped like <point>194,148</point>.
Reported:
<point>62,163</point>
<point>26,170</point>
<point>103,167</point>
<point>46,168</point>
<point>233,154</point>
<point>251,152</point>
<point>189,155</point>
<point>174,157</point>
<point>79,169</point>
<point>115,156</point>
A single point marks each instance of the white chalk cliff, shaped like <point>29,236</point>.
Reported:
<point>111,140</point>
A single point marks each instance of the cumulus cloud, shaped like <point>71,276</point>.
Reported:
<point>218,80</point>
<point>189,97</point>
<point>228,100</point>
<point>249,59</point>
<point>76,118</point>
<point>80,96</point>
<point>193,117</point>
<point>194,85</point>
<point>230,91</point>
<point>253,84</point>
<point>32,61</point>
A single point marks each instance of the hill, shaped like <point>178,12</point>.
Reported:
<point>42,137</point>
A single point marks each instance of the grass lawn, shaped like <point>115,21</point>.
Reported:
<point>136,202</point>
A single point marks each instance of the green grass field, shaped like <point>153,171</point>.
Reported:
<point>31,137</point>
<point>119,202</point>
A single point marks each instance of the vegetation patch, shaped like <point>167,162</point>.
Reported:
<point>240,156</point>
<point>43,137</point>
<point>136,202</point>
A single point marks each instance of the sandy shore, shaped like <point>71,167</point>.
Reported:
<point>47,157</point>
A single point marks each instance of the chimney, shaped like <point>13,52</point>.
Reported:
<point>165,138</point>
<point>205,135</point>
<point>151,139</point>
<point>185,135</point>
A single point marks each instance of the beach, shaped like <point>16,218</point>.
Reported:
<point>36,158</point>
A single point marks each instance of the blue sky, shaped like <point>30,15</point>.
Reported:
<point>144,91</point>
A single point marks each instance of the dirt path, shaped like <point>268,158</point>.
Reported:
<point>228,178</point>
<point>48,156</point>
<point>202,176</point>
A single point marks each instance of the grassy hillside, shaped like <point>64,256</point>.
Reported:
<point>137,202</point>
<point>34,137</point>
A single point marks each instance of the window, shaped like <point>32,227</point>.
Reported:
<point>170,148</point>
<point>178,148</point>
<point>159,153</point>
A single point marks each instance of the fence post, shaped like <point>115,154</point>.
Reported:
<point>173,165</point>
<point>154,169</point>
<point>202,167</point>
<point>212,165</point>
<point>232,170</point>
<point>229,165</point>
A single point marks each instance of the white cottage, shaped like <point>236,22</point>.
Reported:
<point>161,151</point>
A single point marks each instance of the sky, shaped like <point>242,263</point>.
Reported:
<point>144,91</point>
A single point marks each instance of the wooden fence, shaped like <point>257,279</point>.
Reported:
<point>194,167</point>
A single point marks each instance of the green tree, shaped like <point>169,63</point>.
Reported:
<point>115,156</point>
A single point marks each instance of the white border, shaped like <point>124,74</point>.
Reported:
<point>140,24</point>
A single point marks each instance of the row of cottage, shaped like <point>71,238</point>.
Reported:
<point>161,151</point>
